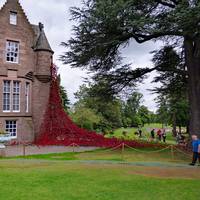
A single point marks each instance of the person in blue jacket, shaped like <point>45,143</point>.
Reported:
<point>195,149</point>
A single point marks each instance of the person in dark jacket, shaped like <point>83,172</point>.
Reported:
<point>164,135</point>
<point>140,133</point>
<point>153,134</point>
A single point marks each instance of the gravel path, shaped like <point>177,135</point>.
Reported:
<point>10,151</point>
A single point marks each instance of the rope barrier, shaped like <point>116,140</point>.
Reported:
<point>125,145</point>
<point>122,146</point>
<point>157,151</point>
<point>112,149</point>
<point>183,152</point>
<point>108,150</point>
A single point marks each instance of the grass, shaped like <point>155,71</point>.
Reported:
<point>53,156</point>
<point>53,177</point>
<point>22,180</point>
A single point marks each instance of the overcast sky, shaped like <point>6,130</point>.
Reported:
<point>54,14</point>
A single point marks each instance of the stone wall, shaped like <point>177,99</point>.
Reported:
<point>33,67</point>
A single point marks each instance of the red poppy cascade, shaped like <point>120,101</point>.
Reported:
<point>58,129</point>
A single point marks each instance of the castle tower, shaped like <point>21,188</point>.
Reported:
<point>42,76</point>
<point>25,62</point>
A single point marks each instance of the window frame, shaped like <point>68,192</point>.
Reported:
<point>9,51</point>
<point>11,127</point>
<point>12,98</point>
<point>17,93</point>
<point>27,94</point>
<point>10,94</point>
<point>13,18</point>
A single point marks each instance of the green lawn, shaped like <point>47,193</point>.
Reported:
<point>64,176</point>
<point>59,180</point>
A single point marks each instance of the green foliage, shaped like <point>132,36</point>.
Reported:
<point>163,110</point>
<point>111,111</point>
<point>131,107</point>
<point>108,111</point>
<point>105,27</point>
<point>135,114</point>
<point>85,117</point>
<point>181,109</point>
<point>65,99</point>
<point>172,100</point>
<point>144,115</point>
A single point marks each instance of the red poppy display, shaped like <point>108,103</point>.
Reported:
<point>58,129</point>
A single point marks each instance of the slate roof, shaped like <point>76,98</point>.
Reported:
<point>41,42</point>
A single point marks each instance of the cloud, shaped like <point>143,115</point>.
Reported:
<point>55,16</point>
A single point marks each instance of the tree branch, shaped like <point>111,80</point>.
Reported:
<point>164,3</point>
<point>144,38</point>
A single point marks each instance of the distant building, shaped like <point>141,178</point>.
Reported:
<point>25,62</point>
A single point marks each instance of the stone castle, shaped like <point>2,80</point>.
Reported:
<point>25,73</point>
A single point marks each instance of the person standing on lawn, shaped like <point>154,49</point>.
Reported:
<point>195,149</point>
<point>159,134</point>
<point>153,134</point>
<point>164,135</point>
<point>140,133</point>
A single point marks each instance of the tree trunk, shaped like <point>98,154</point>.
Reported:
<point>192,52</point>
<point>180,130</point>
<point>187,129</point>
<point>174,124</point>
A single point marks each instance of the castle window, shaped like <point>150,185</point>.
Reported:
<point>12,51</point>
<point>11,128</point>
<point>13,18</point>
<point>27,93</point>
<point>11,89</point>
<point>16,96</point>
<point>6,96</point>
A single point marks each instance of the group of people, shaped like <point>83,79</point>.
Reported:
<point>160,135</point>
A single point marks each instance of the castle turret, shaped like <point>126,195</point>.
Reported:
<point>42,74</point>
<point>44,54</point>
